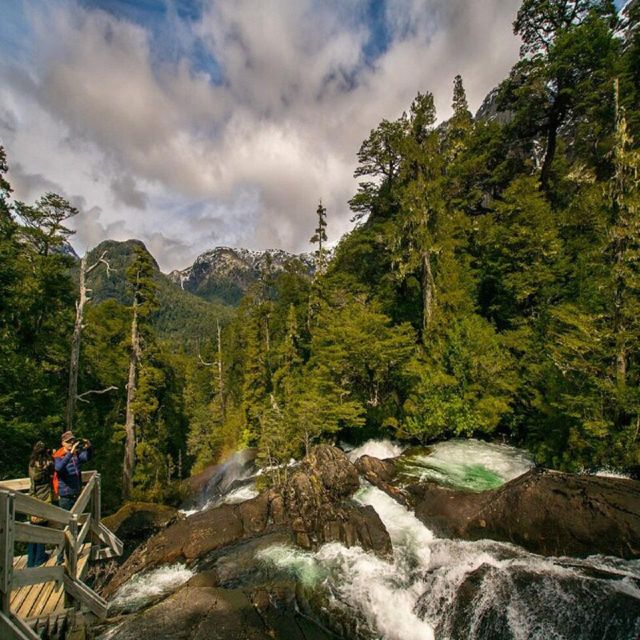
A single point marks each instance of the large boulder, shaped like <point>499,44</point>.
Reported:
<point>544,511</point>
<point>135,522</point>
<point>312,507</point>
<point>203,611</point>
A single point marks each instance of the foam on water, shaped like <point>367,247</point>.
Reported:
<point>241,494</point>
<point>468,464</point>
<point>378,449</point>
<point>432,585</point>
<point>612,473</point>
<point>148,586</point>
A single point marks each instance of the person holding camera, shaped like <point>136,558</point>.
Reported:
<point>68,460</point>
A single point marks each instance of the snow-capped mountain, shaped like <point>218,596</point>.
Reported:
<point>225,273</point>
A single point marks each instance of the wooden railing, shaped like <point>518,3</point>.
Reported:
<point>68,531</point>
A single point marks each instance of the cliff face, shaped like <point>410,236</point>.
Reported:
<point>225,274</point>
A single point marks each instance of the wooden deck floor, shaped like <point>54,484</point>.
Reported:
<point>38,601</point>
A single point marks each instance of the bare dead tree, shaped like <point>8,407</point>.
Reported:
<point>130,425</point>
<point>76,338</point>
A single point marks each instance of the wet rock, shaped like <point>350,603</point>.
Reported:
<point>199,611</point>
<point>314,500</point>
<point>544,511</point>
<point>218,479</point>
<point>135,522</point>
<point>510,602</point>
<point>381,474</point>
<point>313,507</point>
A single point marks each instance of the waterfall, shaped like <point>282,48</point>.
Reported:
<point>452,589</point>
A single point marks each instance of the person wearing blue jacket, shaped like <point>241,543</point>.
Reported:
<point>68,461</point>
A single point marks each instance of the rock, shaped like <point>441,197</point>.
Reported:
<point>312,508</point>
<point>499,602</point>
<point>544,511</point>
<point>199,611</point>
<point>315,505</point>
<point>381,474</point>
<point>135,522</point>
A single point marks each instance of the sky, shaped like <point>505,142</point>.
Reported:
<point>191,124</point>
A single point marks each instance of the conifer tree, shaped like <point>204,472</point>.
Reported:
<point>320,238</point>
<point>140,279</point>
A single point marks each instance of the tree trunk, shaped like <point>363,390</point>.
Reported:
<point>75,346</point>
<point>220,377</point>
<point>130,421</point>
<point>428,293</point>
<point>556,116</point>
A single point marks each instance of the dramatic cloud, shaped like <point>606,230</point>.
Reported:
<point>190,126</point>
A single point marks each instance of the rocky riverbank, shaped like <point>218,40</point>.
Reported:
<point>234,594</point>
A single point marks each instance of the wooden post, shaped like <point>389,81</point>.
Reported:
<point>7,519</point>
<point>71,555</point>
<point>96,509</point>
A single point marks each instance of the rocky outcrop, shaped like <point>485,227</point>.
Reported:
<point>313,507</point>
<point>381,474</point>
<point>225,273</point>
<point>203,611</point>
<point>544,511</point>
<point>135,522</point>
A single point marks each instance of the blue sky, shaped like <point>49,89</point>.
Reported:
<point>195,123</point>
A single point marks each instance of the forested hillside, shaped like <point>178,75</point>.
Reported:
<point>490,287</point>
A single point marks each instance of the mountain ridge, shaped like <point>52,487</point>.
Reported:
<point>225,273</point>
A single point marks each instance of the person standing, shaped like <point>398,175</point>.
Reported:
<point>68,462</point>
<point>41,476</point>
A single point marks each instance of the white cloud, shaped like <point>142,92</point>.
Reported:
<point>157,151</point>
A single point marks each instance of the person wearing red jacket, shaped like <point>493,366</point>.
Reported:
<point>68,462</point>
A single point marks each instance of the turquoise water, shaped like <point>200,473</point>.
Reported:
<point>470,465</point>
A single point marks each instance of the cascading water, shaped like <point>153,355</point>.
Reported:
<point>148,587</point>
<point>466,464</point>
<point>431,587</point>
<point>450,589</point>
<point>234,481</point>
<point>377,448</point>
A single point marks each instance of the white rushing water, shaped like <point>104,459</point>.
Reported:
<point>467,464</point>
<point>435,588</point>
<point>378,449</point>
<point>432,585</point>
<point>148,586</point>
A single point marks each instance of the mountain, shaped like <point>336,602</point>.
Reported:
<point>181,316</point>
<point>224,274</point>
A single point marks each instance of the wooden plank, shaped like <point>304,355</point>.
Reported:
<point>70,551</point>
<point>34,507</point>
<point>109,538</point>
<point>18,595</point>
<point>96,507</point>
<point>83,534</point>
<point>86,596</point>
<point>37,575</point>
<point>84,497</point>
<point>13,628</point>
<point>104,554</point>
<point>7,521</point>
<point>51,600</point>
<point>27,532</point>
<point>24,484</point>
<point>20,484</point>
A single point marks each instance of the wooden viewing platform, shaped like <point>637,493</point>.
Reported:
<point>38,598</point>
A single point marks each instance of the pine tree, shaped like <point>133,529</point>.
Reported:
<point>320,238</point>
<point>140,279</point>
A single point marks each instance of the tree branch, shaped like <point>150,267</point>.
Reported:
<point>101,260</point>
<point>81,397</point>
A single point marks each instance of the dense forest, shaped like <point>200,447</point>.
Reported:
<point>490,287</point>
